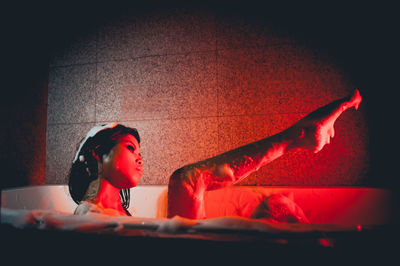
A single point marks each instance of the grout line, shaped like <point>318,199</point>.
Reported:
<point>173,54</point>
<point>72,65</point>
<point>96,77</point>
<point>217,81</point>
<point>157,55</point>
<point>175,118</point>
<point>133,58</point>
<point>95,95</point>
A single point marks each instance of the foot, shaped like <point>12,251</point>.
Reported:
<point>317,128</point>
<point>354,100</point>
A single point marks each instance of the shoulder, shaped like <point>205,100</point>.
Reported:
<point>85,207</point>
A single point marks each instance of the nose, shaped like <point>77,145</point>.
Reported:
<point>139,161</point>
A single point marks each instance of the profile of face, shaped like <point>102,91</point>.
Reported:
<point>122,167</point>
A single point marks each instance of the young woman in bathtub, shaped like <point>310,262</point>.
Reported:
<point>108,163</point>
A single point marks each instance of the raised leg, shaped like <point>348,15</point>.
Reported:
<point>187,185</point>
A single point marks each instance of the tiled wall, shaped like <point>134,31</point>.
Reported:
<point>196,83</point>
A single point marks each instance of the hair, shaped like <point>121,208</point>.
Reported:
<point>83,172</point>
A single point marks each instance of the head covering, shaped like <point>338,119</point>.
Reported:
<point>91,133</point>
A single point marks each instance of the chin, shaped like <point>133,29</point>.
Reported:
<point>129,180</point>
<point>129,185</point>
<point>133,182</point>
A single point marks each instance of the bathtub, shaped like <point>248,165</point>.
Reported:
<point>322,205</point>
<point>348,218</point>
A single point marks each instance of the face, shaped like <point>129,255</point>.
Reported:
<point>123,165</point>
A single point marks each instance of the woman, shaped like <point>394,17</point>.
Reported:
<point>108,163</point>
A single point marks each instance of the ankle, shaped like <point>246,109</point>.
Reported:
<point>292,137</point>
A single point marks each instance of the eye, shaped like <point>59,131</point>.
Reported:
<point>131,148</point>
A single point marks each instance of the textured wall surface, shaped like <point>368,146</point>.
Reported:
<point>196,83</point>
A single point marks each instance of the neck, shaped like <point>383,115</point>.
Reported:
<point>108,196</point>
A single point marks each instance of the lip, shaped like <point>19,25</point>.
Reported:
<point>139,169</point>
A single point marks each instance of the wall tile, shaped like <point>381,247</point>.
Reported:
<point>236,131</point>
<point>116,39</point>
<point>71,96</point>
<point>283,79</point>
<point>157,33</point>
<point>61,145</point>
<point>157,87</point>
<point>167,145</point>
<point>329,167</point>
<point>79,49</point>
<point>345,161</point>
<point>235,31</point>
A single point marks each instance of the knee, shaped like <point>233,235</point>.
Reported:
<point>182,200</point>
<point>179,182</point>
<point>187,180</point>
<point>177,177</point>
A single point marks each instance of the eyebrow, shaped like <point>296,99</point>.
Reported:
<point>133,145</point>
<point>130,142</point>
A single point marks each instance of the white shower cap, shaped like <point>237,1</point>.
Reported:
<point>91,133</point>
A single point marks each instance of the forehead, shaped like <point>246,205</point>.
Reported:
<point>129,138</point>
